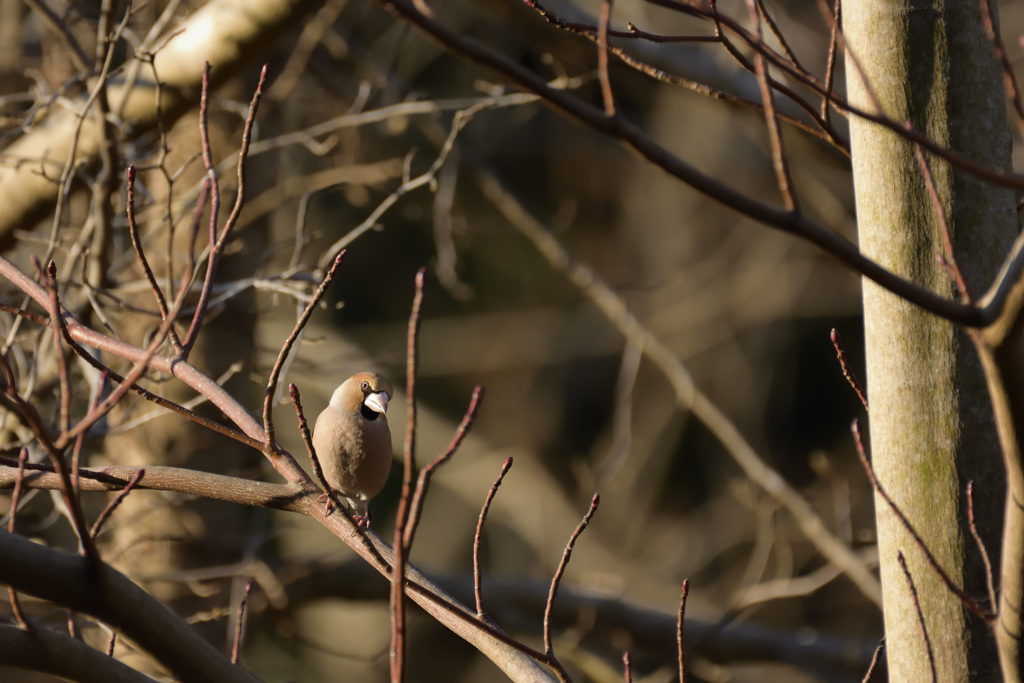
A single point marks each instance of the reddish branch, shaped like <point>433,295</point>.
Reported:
<point>217,241</point>
<point>423,480</point>
<point>286,348</point>
<point>97,526</point>
<point>402,515</point>
<point>949,257</point>
<point>477,591</point>
<point>602,58</point>
<point>874,661</point>
<point>1009,78</point>
<point>830,67</point>
<point>920,615</point>
<point>12,517</point>
<point>779,159</point>
<point>680,631</point>
<point>981,546</point>
<point>236,646</point>
<point>837,344</point>
<point>968,602</point>
<point>140,254</point>
<point>549,650</point>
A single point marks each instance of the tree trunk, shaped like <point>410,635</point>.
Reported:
<point>931,422</point>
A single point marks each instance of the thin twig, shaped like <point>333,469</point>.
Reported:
<point>1009,78</point>
<point>139,369</point>
<point>307,438</point>
<point>239,621</point>
<point>13,401</point>
<point>214,185</point>
<point>680,631</point>
<point>21,313</point>
<point>779,35</point>
<point>163,402</point>
<point>52,21</point>
<point>97,526</point>
<point>779,159</point>
<point>549,650</point>
<point>76,450</point>
<point>830,66</point>
<point>837,343</point>
<point>58,348</point>
<point>785,220</point>
<point>217,242</point>
<point>824,129</point>
<point>423,480</point>
<point>133,232</point>
<point>920,615</point>
<point>968,602</point>
<point>981,547</point>
<point>602,58</point>
<point>397,650</point>
<point>15,499</point>
<point>875,658</point>
<point>184,371</point>
<point>477,591</point>
<point>940,216</point>
<point>282,356</point>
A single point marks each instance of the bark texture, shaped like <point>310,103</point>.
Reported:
<point>931,421</point>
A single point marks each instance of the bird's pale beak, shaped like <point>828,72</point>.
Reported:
<point>377,402</point>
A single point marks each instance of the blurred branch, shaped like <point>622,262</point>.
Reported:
<point>787,221</point>
<point>515,603</point>
<point>191,482</point>
<point>688,396</point>
<point>69,580</point>
<point>50,652</point>
<point>226,33</point>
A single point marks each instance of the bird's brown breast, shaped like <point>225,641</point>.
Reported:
<point>354,452</point>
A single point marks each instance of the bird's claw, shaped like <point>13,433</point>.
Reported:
<point>328,506</point>
<point>362,521</point>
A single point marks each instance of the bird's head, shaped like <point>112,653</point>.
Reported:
<point>366,393</point>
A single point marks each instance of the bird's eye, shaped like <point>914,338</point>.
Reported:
<point>365,386</point>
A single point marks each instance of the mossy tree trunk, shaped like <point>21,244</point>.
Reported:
<point>931,424</point>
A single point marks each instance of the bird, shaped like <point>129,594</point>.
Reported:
<point>353,442</point>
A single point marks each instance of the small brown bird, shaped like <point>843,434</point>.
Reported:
<point>353,442</point>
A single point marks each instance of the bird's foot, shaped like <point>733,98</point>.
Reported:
<point>362,521</point>
<point>328,506</point>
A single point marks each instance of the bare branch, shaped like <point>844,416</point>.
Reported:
<point>402,516</point>
<point>837,343</point>
<point>549,650</point>
<point>968,602</point>
<point>423,480</point>
<point>680,632</point>
<point>12,517</point>
<point>239,622</point>
<point>110,597</point>
<point>282,356</point>
<point>920,616</point>
<point>477,591</point>
<point>112,505</point>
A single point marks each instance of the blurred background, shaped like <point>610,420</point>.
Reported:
<point>349,147</point>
